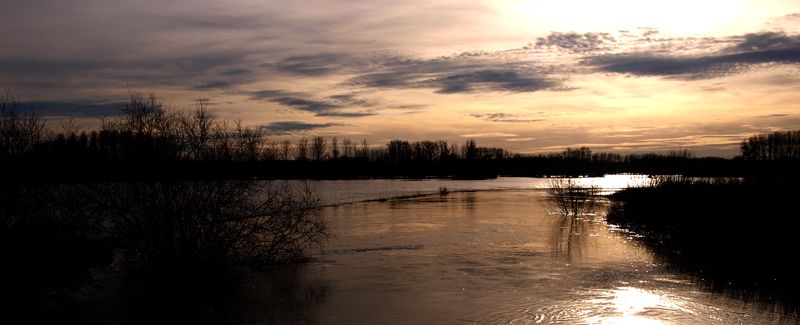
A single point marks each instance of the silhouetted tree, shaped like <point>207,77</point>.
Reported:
<point>168,225</point>
<point>398,151</point>
<point>334,149</point>
<point>773,146</point>
<point>364,152</point>
<point>271,151</point>
<point>582,153</point>
<point>318,147</point>
<point>18,133</point>
<point>197,129</point>
<point>286,149</point>
<point>348,148</point>
<point>302,149</point>
<point>469,150</point>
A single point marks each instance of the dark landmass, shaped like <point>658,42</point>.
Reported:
<point>735,236</point>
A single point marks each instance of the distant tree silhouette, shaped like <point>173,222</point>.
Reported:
<point>318,147</point>
<point>334,149</point>
<point>286,149</point>
<point>773,146</point>
<point>302,149</point>
<point>348,148</point>
<point>399,151</point>
<point>469,150</point>
<point>197,129</point>
<point>364,152</point>
<point>582,153</point>
<point>18,133</point>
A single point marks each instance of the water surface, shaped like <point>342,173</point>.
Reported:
<point>494,256</point>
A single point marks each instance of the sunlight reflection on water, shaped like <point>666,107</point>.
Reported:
<point>629,305</point>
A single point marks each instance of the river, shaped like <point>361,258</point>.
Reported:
<point>487,252</point>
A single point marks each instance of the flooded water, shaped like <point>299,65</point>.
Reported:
<point>350,191</point>
<point>483,257</point>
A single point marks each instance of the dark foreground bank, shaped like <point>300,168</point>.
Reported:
<point>737,236</point>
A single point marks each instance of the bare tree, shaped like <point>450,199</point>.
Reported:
<point>286,149</point>
<point>570,198</point>
<point>334,149</point>
<point>248,142</point>
<point>318,147</point>
<point>271,151</point>
<point>197,129</point>
<point>364,152</point>
<point>142,113</point>
<point>171,225</point>
<point>348,148</point>
<point>18,133</point>
<point>302,149</point>
<point>69,126</point>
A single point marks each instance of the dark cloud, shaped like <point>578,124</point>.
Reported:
<point>766,41</point>
<point>315,65</point>
<point>286,127</point>
<point>333,106</point>
<point>352,100</point>
<point>198,71</point>
<point>504,117</point>
<point>575,42</point>
<point>452,76</point>
<point>459,73</point>
<point>305,105</point>
<point>748,50</point>
<point>488,80</point>
<point>72,108</point>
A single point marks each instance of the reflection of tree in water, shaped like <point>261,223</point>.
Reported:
<point>571,234</point>
<point>276,296</point>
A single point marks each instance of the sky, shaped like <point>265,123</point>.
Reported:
<point>529,76</point>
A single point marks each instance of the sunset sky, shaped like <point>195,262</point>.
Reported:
<point>529,76</point>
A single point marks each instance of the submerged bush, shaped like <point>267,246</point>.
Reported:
<point>55,238</point>
<point>567,197</point>
<point>213,223</point>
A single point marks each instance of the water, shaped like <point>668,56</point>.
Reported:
<point>474,257</point>
<point>339,192</point>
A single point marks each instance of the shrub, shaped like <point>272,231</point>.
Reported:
<point>169,225</point>
<point>567,197</point>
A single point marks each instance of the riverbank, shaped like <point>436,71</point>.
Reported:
<point>736,236</point>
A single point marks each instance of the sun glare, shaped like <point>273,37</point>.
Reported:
<point>673,17</point>
<point>628,305</point>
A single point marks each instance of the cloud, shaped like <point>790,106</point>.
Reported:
<point>314,65</point>
<point>489,80</point>
<point>457,74</point>
<point>505,71</point>
<point>490,135</point>
<point>520,139</point>
<point>72,108</point>
<point>753,49</point>
<point>333,106</point>
<point>288,127</point>
<point>504,117</point>
<point>766,41</point>
<point>576,43</point>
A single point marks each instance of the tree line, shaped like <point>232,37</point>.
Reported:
<point>148,131</point>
